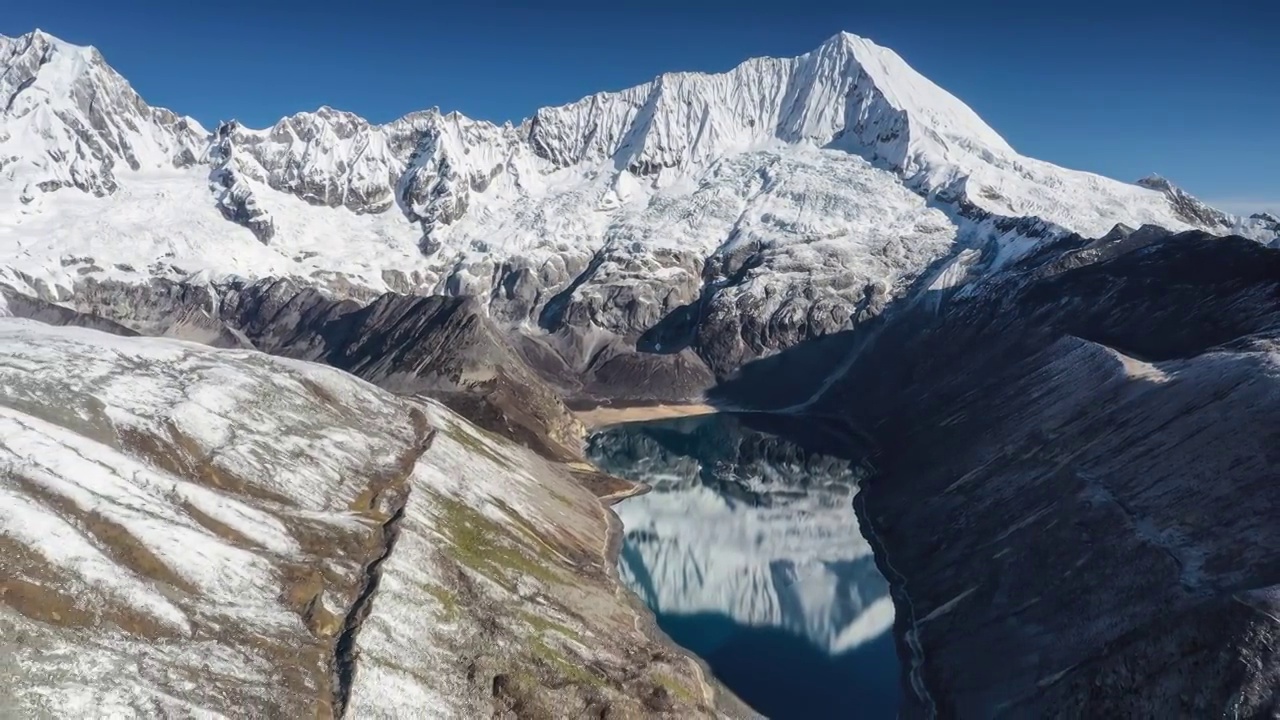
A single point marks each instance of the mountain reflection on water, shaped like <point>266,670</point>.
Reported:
<point>748,552</point>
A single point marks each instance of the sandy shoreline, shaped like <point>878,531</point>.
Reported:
<point>601,416</point>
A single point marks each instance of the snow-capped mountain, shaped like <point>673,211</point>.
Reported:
<point>69,120</point>
<point>722,216</point>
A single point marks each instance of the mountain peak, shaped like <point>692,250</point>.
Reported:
<point>71,120</point>
<point>844,36</point>
<point>39,47</point>
<point>82,118</point>
<point>1155,181</point>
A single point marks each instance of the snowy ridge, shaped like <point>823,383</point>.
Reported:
<point>1259,225</point>
<point>432,202</point>
<point>849,92</point>
<point>158,522</point>
<point>192,532</point>
<point>68,120</point>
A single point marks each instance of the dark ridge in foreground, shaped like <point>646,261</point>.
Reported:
<point>1079,471</point>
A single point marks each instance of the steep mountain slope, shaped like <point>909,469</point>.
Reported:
<point>1259,225</point>
<point>69,120</point>
<point>1087,443</point>
<point>444,347</point>
<point>196,532</point>
<point>412,345</point>
<point>685,225</point>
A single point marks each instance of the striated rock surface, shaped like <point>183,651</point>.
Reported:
<point>14,304</point>
<point>440,346</point>
<point>1076,475</point>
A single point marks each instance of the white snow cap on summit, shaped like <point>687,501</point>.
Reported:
<point>849,93</point>
<point>67,119</point>
<point>823,157</point>
<point>937,112</point>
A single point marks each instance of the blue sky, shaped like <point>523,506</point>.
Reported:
<point>1123,88</point>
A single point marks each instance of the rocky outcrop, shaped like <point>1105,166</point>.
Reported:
<point>1194,212</point>
<point>15,304</point>
<point>232,194</point>
<point>1076,476</point>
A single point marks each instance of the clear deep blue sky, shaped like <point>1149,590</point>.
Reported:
<point>1119,87</point>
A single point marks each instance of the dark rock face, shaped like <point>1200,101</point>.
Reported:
<point>1185,206</point>
<point>187,312</point>
<point>1078,480</point>
<point>16,304</point>
<point>233,196</point>
<point>435,345</point>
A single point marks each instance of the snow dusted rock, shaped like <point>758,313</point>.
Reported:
<point>328,158</point>
<point>442,346</point>
<point>157,518</point>
<point>15,304</point>
<point>1076,479</point>
<point>1266,217</point>
<point>454,158</point>
<point>188,531</point>
<point>1259,226</point>
<point>232,193</point>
